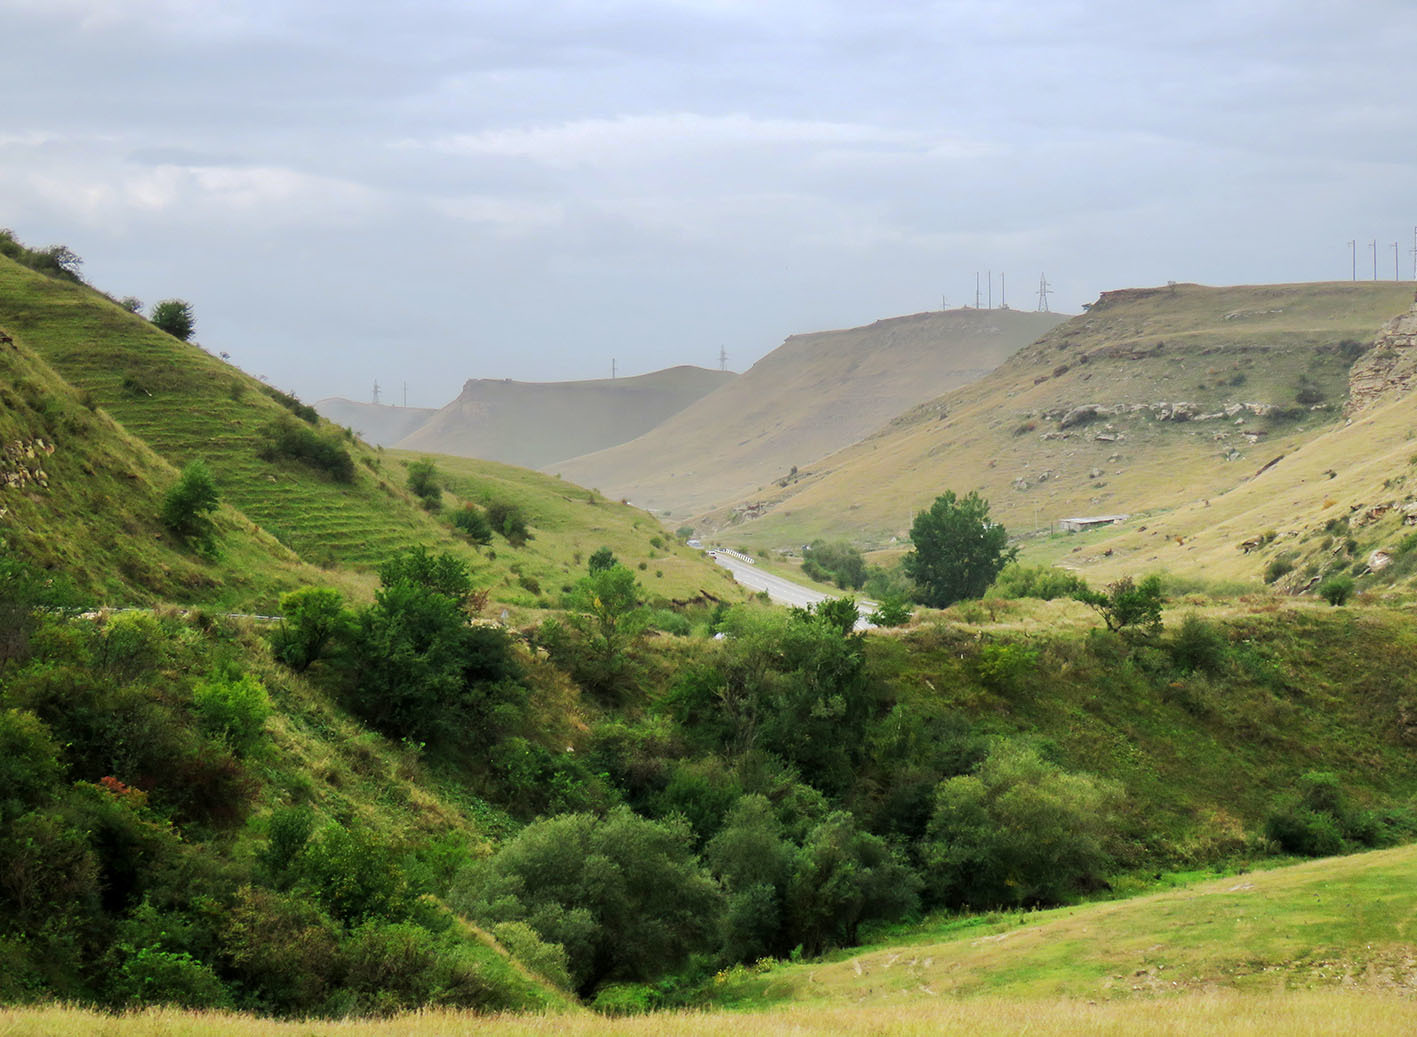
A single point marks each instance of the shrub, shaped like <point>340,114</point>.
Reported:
<point>187,508</point>
<point>508,520</point>
<point>1281,566</point>
<point>1336,590</point>
<point>1044,582</point>
<point>282,949</point>
<point>1305,833</point>
<point>353,875</point>
<point>152,976</point>
<point>1019,831</point>
<point>290,402</point>
<point>602,558</point>
<point>425,483</point>
<point>473,524</point>
<point>548,960</point>
<point>624,896</point>
<point>312,619</point>
<point>1198,645</point>
<point>174,316</point>
<point>287,439</point>
<point>1128,606</point>
<point>839,563</point>
<point>234,709</point>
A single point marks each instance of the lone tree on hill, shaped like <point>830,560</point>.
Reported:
<point>958,551</point>
<point>174,316</point>
<point>187,508</point>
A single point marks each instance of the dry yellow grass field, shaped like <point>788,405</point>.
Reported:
<point>1310,1013</point>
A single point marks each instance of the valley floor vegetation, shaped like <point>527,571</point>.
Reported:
<point>368,809</point>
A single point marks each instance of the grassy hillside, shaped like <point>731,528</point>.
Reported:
<point>81,496</point>
<point>1339,922</point>
<point>813,394</point>
<point>568,524</point>
<point>175,402</point>
<point>378,424</point>
<point>1196,388</point>
<point>539,423</point>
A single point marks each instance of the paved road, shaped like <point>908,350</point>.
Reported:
<point>782,591</point>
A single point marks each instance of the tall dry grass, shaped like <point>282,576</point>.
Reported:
<point>1307,1013</point>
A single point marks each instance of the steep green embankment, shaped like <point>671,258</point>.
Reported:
<point>80,495</point>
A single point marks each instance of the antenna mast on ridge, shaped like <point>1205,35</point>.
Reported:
<point>376,390</point>
<point>722,359</point>
<point>1043,292</point>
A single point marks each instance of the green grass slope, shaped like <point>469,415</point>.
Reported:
<point>376,423</point>
<point>1337,922</point>
<point>1259,370</point>
<point>568,524</point>
<point>178,402</point>
<point>813,394</point>
<point>79,494</point>
<point>539,423</point>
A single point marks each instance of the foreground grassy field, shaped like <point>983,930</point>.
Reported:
<point>1300,1013</point>
<point>1345,921</point>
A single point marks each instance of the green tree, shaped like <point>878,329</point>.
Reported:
<point>600,559</point>
<point>606,610</point>
<point>625,897</point>
<point>958,551</point>
<point>1019,831</point>
<point>312,619</point>
<point>187,508</point>
<point>174,316</point>
<point>1127,605</point>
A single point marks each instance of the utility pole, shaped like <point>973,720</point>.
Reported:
<point>1353,248</point>
<point>722,359</point>
<point>376,390</point>
<point>1003,299</point>
<point>612,368</point>
<point>405,394</point>
<point>1043,291</point>
<point>976,289</point>
<point>991,289</point>
<point>1414,253</point>
<point>1396,274</point>
<point>1374,247</point>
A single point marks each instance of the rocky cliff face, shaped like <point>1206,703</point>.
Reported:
<point>1389,368</point>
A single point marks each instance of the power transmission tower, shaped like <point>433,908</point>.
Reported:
<point>1396,273</point>
<point>376,390</point>
<point>1003,299</point>
<point>1353,248</point>
<point>612,368</point>
<point>1043,292</point>
<point>722,359</point>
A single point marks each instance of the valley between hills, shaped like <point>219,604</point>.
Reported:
<point>363,719</point>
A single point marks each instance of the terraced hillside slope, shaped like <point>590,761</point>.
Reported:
<point>538,423</point>
<point>376,423</point>
<point>80,495</point>
<point>1153,399</point>
<point>812,395</point>
<point>171,402</point>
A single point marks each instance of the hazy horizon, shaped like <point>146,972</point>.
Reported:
<point>348,192</point>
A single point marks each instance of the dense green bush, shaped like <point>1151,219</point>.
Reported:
<point>1127,606</point>
<point>174,316</point>
<point>624,896</point>
<point>313,620</point>
<point>1019,831</point>
<point>286,438</point>
<point>1199,645</point>
<point>472,523</point>
<point>1045,582</point>
<point>425,483</point>
<point>233,708</point>
<point>188,505</point>
<point>837,562</point>
<point>1336,590</point>
<point>507,519</point>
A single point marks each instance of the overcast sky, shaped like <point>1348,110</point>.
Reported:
<point>430,191</point>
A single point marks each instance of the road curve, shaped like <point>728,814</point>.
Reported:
<point>782,591</point>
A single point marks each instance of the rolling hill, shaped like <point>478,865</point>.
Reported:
<point>124,405</point>
<point>812,395</point>
<point>538,423</point>
<point>1153,399</point>
<point>376,423</point>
